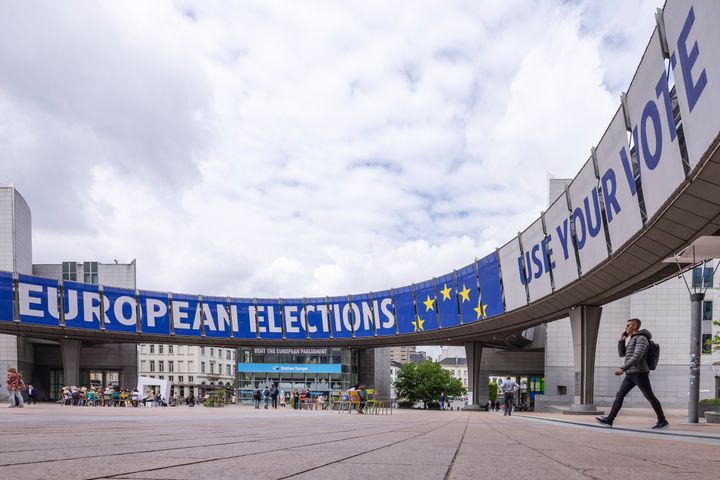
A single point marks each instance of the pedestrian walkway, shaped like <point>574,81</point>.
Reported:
<point>638,420</point>
<point>47,441</point>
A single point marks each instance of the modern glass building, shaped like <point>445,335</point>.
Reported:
<point>320,370</point>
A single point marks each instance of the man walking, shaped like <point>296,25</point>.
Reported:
<point>637,373</point>
<point>508,388</point>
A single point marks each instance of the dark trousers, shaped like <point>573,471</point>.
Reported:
<point>642,381</point>
<point>274,401</point>
<point>509,397</point>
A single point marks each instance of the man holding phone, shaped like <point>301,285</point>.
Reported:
<point>637,373</point>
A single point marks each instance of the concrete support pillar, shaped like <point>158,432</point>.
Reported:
<point>71,361</point>
<point>374,370</point>
<point>476,385</point>
<point>585,323</point>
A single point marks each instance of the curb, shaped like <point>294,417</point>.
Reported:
<point>628,429</point>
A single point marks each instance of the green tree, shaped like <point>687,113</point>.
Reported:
<point>424,382</point>
<point>492,391</point>
<point>715,341</point>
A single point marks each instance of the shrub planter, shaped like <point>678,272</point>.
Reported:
<point>712,417</point>
<point>708,407</point>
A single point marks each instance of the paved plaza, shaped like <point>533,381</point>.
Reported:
<point>49,441</point>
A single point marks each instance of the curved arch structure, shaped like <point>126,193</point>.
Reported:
<point>650,187</point>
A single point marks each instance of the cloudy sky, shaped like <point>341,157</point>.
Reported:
<point>301,148</point>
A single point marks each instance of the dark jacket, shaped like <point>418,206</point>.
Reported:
<point>635,352</point>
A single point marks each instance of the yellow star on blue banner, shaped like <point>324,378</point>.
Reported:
<point>429,304</point>
<point>446,292</point>
<point>480,310</point>
<point>418,324</point>
<point>464,294</point>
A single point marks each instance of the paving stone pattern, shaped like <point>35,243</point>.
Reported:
<point>53,442</point>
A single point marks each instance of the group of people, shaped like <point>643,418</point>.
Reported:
<point>304,399</point>
<point>111,396</point>
<point>268,394</point>
<point>271,395</point>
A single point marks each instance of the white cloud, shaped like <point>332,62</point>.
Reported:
<point>285,149</point>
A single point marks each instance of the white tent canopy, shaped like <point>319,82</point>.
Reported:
<point>162,385</point>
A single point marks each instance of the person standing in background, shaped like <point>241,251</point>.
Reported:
<point>14,385</point>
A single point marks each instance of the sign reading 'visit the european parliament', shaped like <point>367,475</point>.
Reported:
<point>637,165</point>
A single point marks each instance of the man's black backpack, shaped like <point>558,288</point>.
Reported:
<point>653,355</point>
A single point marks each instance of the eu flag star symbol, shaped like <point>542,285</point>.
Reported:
<point>480,310</point>
<point>429,304</point>
<point>464,294</point>
<point>446,292</point>
<point>418,324</point>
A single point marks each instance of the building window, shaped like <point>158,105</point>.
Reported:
<point>227,355</point>
<point>152,365</point>
<point>160,349</point>
<point>161,377</point>
<point>69,271</point>
<point>152,348</point>
<point>708,277</point>
<point>227,370</point>
<point>707,310</point>
<point>90,270</point>
<point>171,378</point>
<point>202,367</point>
<point>143,365</point>
<point>181,365</point>
<point>702,277</point>
<point>212,350</point>
<point>697,277</point>
<point>191,365</point>
<point>181,379</point>
<point>171,366</point>
<point>191,379</point>
<point>170,349</point>
<point>161,366</point>
<point>202,350</point>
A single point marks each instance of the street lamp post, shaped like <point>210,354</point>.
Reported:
<point>701,250</point>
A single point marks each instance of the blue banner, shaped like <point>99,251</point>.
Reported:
<point>38,301</point>
<point>82,305</point>
<point>242,312</point>
<point>447,301</point>
<point>293,314</point>
<point>341,317</point>
<point>405,310</point>
<point>186,315</point>
<point>154,312</point>
<point>491,292</point>
<point>216,317</point>
<point>471,310</point>
<point>6,297</point>
<point>289,368</point>
<point>121,309</point>
<point>363,315</point>
<point>385,324</point>
<point>269,318</point>
<point>426,304</point>
<point>317,318</point>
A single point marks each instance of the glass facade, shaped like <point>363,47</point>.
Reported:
<point>320,370</point>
